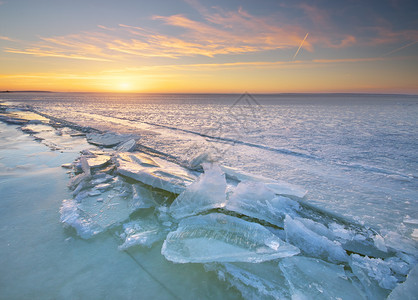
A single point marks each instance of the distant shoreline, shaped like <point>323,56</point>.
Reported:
<point>258,94</point>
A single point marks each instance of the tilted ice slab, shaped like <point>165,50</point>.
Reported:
<point>221,238</point>
<point>108,139</point>
<point>143,232</point>
<point>311,278</point>
<point>254,281</point>
<point>312,243</point>
<point>407,290</point>
<point>206,193</point>
<point>155,172</point>
<point>277,186</point>
<point>256,200</point>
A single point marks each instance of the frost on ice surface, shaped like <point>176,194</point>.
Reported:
<point>407,290</point>
<point>311,278</point>
<point>312,243</point>
<point>255,200</point>
<point>206,193</point>
<point>278,187</point>
<point>155,172</point>
<point>254,281</point>
<point>143,232</point>
<point>221,238</point>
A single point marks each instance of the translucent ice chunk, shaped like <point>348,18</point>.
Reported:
<point>255,200</point>
<point>277,186</point>
<point>155,172</point>
<point>376,269</point>
<point>312,243</point>
<point>221,238</point>
<point>206,193</point>
<point>407,290</point>
<point>311,278</point>
<point>254,281</point>
<point>143,232</point>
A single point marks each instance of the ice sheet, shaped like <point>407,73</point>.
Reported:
<point>407,290</point>
<point>207,192</point>
<point>221,238</point>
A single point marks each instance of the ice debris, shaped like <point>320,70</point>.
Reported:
<point>220,238</point>
<point>207,192</point>
<point>127,146</point>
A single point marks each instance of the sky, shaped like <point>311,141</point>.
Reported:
<point>201,46</point>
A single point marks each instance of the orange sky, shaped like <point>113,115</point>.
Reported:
<point>191,46</point>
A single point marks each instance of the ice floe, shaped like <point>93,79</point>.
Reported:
<point>107,139</point>
<point>221,238</point>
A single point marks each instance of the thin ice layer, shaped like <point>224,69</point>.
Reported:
<point>221,238</point>
<point>311,278</point>
<point>154,172</point>
<point>312,243</point>
<point>108,139</point>
<point>256,200</point>
<point>254,281</point>
<point>206,193</point>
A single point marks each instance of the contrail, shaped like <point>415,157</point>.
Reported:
<point>398,49</point>
<point>300,45</point>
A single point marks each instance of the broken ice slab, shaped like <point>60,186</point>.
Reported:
<point>407,290</point>
<point>221,238</point>
<point>98,161</point>
<point>254,281</point>
<point>90,216</point>
<point>127,146</point>
<point>312,243</point>
<point>155,172</point>
<point>311,278</point>
<point>207,192</point>
<point>108,139</point>
<point>143,232</point>
<point>256,200</point>
<point>277,186</point>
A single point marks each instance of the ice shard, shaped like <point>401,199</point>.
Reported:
<point>256,200</point>
<point>312,243</point>
<point>311,278</point>
<point>221,238</point>
<point>407,290</point>
<point>206,193</point>
<point>155,172</point>
<point>277,186</point>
